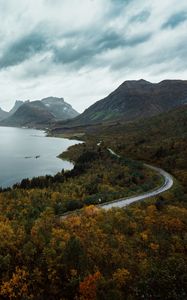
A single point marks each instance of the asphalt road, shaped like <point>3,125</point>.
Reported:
<point>123,202</point>
<point>168,183</point>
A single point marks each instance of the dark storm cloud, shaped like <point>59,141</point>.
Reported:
<point>77,48</point>
<point>85,47</point>
<point>137,39</point>
<point>22,49</point>
<point>80,47</point>
<point>83,51</point>
<point>175,20</point>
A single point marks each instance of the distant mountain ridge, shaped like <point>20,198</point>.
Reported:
<point>39,113</point>
<point>135,99</point>
<point>17,104</point>
<point>29,114</point>
<point>6,114</point>
<point>132,100</point>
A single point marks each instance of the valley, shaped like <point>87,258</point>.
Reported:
<point>69,234</point>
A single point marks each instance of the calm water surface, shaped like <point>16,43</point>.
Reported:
<point>19,149</point>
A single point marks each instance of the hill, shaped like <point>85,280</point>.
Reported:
<point>136,99</point>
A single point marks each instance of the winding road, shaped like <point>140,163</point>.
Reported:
<point>123,202</point>
<point>168,183</point>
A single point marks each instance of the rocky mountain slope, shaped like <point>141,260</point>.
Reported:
<point>59,108</point>
<point>17,104</point>
<point>39,112</point>
<point>29,114</point>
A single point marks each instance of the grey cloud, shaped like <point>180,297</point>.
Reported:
<point>81,51</point>
<point>85,50</point>
<point>122,38</point>
<point>139,39</point>
<point>121,2</point>
<point>118,7</point>
<point>161,60</point>
<point>23,49</point>
<point>80,48</point>
<point>141,17</point>
<point>108,40</point>
<point>69,55</point>
<point>175,20</point>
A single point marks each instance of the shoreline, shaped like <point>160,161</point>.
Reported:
<point>44,133</point>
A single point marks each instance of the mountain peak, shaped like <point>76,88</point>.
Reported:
<point>143,81</point>
<point>136,82</point>
<point>60,108</point>
<point>135,99</point>
<point>53,99</point>
<point>17,104</point>
<point>173,81</point>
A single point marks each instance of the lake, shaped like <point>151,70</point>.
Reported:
<point>25,153</point>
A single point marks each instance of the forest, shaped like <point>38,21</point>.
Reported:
<point>134,253</point>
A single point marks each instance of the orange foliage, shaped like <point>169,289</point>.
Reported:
<point>17,286</point>
<point>91,210</point>
<point>87,288</point>
<point>154,246</point>
<point>121,277</point>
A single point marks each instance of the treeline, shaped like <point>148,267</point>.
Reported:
<point>47,181</point>
<point>97,177</point>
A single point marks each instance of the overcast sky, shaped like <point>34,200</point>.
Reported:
<point>83,49</point>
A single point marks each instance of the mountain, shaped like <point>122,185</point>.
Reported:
<point>59,108</point>
<point>17,104</point>
<point>3,114</point>
<point>135,99</point>
<point>30,114</point>
<point>39,112</point>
